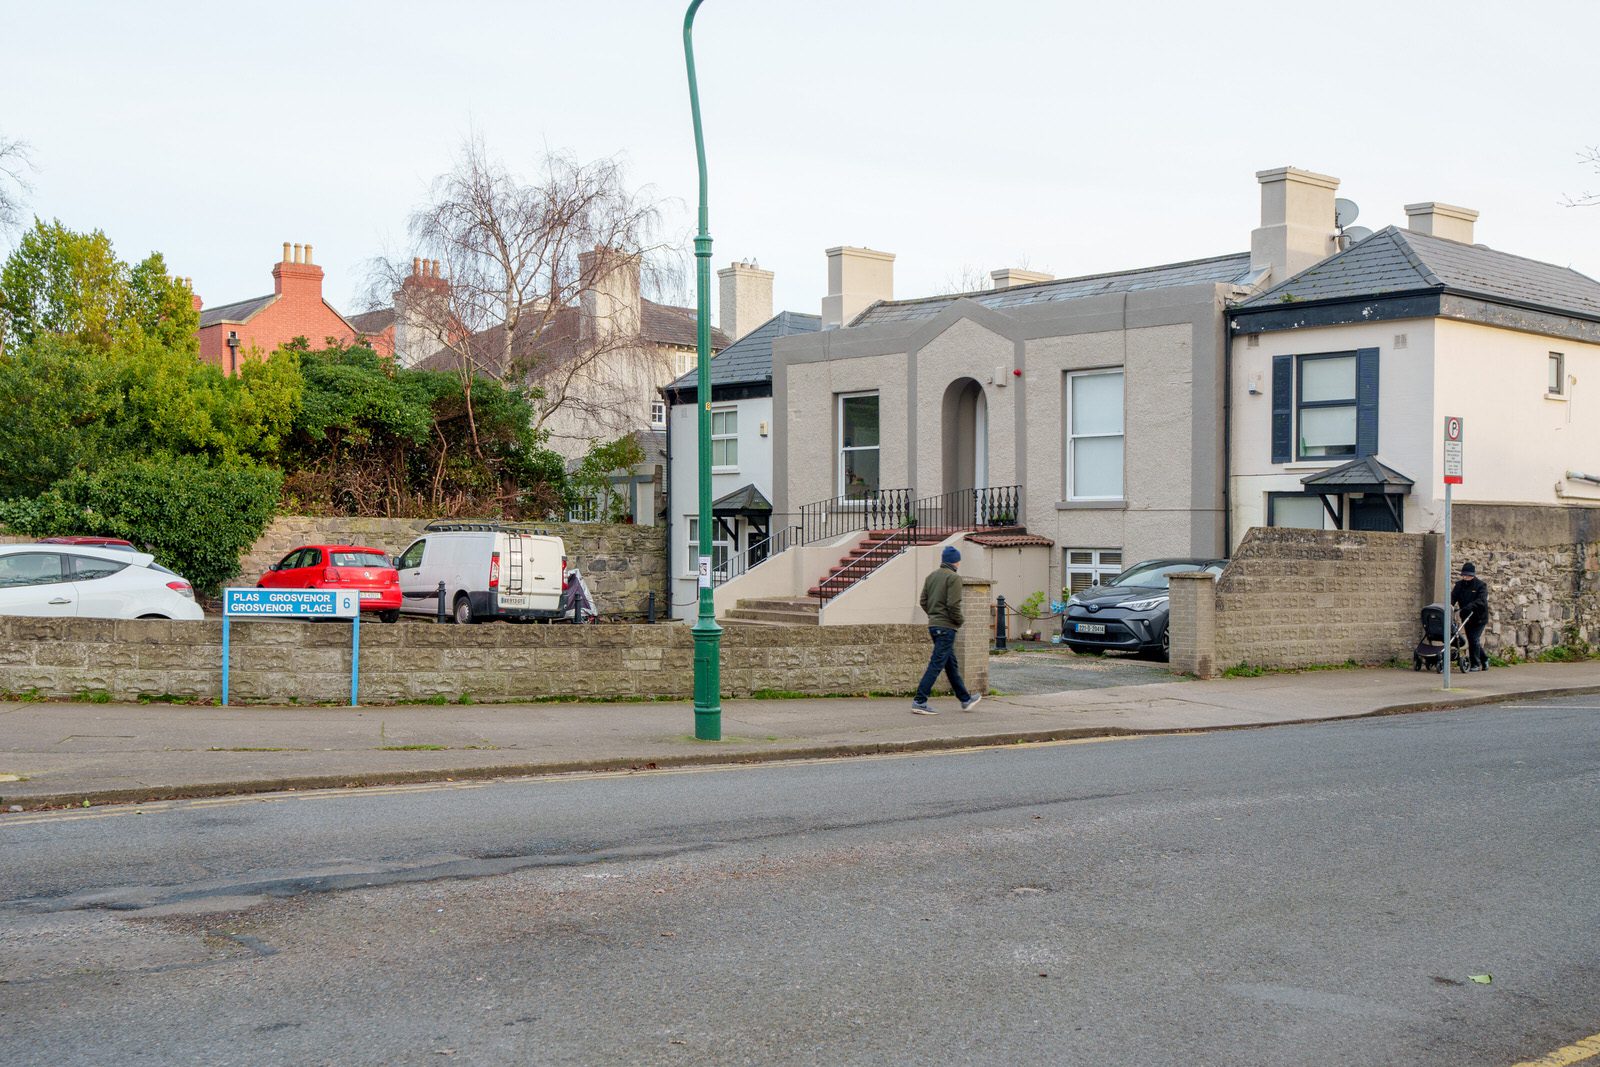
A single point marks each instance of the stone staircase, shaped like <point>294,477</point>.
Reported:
<point>774,611</point>
<point>873,552</point>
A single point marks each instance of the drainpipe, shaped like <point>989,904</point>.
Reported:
<point>666,488</point>
<point>1227,432</point>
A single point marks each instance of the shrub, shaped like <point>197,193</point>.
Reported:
<point>193,517</point>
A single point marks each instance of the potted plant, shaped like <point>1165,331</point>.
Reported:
<point>1032,609</point>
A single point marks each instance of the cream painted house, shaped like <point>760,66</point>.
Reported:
<point>1360,358</point>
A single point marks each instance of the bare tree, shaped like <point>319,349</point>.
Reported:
<point>530,280</point>
<point>1591,157</point>
<point>16,162</point>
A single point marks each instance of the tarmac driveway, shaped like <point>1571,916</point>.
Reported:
<point>1056,670</point>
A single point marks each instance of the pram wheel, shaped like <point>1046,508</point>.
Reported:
<point>1416,662</point>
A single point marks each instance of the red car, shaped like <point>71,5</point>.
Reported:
<point>341,567</point>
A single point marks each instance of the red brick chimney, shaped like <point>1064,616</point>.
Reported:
<point>297,277</point>
<point>194,297</point>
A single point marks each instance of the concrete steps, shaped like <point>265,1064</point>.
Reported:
<point>775,611</point>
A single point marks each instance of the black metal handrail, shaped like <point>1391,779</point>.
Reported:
<point>759,552</point>
<point>869,561</point>
<point>879,509</point>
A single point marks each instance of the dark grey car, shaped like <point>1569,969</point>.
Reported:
<point>1129,613</point>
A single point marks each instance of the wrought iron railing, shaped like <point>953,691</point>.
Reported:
<point>967,509</point>
<point>879,509</point>
<point>862,567</point>
<point>759,552</point>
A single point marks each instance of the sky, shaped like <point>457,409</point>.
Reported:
<point>1061,136</point>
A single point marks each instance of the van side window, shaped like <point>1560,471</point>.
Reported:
<point>413,557</point>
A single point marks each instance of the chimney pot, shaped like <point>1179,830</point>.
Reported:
<point>286,251</point>
<point>416,265</point>
<point>308,255</point>
<point>297,253</point>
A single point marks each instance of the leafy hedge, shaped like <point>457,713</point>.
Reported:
<point>194,517</point>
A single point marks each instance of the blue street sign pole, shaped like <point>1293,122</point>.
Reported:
<point>225,660</point>
<point>355,660</point>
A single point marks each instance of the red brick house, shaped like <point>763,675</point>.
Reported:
<point>252,329</point>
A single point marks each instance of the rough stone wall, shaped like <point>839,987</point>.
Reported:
<point>1293,598</point>
<point>276,662</point>
<point>621,564</point>
<point>1542,566</point>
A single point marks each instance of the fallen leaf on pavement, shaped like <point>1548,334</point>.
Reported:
<point>1481,979</point>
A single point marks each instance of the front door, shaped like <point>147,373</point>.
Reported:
<point>1371,512</point>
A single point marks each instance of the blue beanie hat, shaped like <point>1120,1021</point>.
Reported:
<point>949,555</point>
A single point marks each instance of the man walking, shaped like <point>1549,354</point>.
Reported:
<point>941,599</point>
<point>1471,598</point>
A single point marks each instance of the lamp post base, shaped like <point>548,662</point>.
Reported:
<point>707,680</point>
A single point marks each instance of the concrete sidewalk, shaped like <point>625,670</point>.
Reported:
<point>58,754</point>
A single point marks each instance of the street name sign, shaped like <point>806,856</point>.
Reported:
<point>291,603</point>
<point>300,604</point>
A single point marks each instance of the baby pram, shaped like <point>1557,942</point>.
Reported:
<point>576,603</point>
<point>1430,650</point>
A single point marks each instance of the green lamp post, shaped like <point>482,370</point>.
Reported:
<point>707,634</point>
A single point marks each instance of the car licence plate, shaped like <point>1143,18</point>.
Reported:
<point>513,601</point>
<point>369,594</point>
<point>1089,628</point>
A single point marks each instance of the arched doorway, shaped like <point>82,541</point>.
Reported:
<point>964,429</point>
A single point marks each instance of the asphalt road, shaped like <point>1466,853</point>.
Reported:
<point>1298,895</point>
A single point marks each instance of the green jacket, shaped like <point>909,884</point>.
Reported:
<point>941,598</point>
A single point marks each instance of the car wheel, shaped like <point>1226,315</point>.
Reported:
<point>392,615</point>
<point>162,618</point>
<point>463,611</point>
<point>1166,646</point>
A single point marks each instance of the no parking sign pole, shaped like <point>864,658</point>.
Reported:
<point>295,604</point>
<point>1453,437</point>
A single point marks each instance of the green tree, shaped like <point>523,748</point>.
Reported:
<point>61,405</point>
<point>590,484</point>
<point>72,285</point>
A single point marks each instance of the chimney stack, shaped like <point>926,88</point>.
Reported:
<point>857,278</point>
<point>745,292</point>
<point>1297,222</point>
<point>1006,277</point>
<point>609,304</point>
<point>1441,220</point>
<point>296,274</point>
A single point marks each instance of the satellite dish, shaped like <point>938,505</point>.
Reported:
<point>1357,233</point>
<point>1345,212</point>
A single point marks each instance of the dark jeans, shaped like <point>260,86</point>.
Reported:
<point>1475,651</point>
<point>943,659</point>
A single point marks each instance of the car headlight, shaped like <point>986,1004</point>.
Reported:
<point>1073,600</point>
<point>1145,604</point>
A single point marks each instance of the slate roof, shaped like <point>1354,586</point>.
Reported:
<point>1394,261</point>
<point>238,311</point>
<point>1364,475</point>
<point>667,325</point>
<point>372,322</point>
<point>1233,268</point>
<point>748,361</point>
<point>742,501</point>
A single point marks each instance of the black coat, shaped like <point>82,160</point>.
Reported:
<point>1471,597</point>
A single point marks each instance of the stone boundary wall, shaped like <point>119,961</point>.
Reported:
<point>622,564</point>
<point>276,662</point>
<point>1542,566</point>
<point>1294,598</point>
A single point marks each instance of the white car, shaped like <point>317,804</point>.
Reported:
<point>489,570</point>
<point>91,582</point>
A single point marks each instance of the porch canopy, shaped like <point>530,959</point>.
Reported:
<point>1365,477</point>
<point>747,503</point>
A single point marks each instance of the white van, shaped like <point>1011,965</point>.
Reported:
<point>490,570</point>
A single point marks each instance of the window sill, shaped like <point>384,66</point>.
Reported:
<point>724,470</point>
<point>1091,505</point>
<point>1313,464</point>
<point>1560,398</point>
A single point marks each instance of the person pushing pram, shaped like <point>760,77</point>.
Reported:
<point>577,605</point>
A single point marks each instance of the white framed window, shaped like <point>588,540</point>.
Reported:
<point>1299,510</point>
<point>725,438</point>
<point>658,413</point>
<point>1556,382</point>
<point>721,547</point>
<point>684,362</point>
<point>1088,566</point>
<point>859,474</point>
<point>1094,435</point>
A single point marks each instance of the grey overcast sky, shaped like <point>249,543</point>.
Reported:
<point>962,136</point>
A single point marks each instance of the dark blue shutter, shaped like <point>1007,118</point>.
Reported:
<point>1366,402</point>
<point>1282,408</point>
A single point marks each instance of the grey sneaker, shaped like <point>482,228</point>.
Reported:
<point>971,702</point>
<point>920,707</point>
